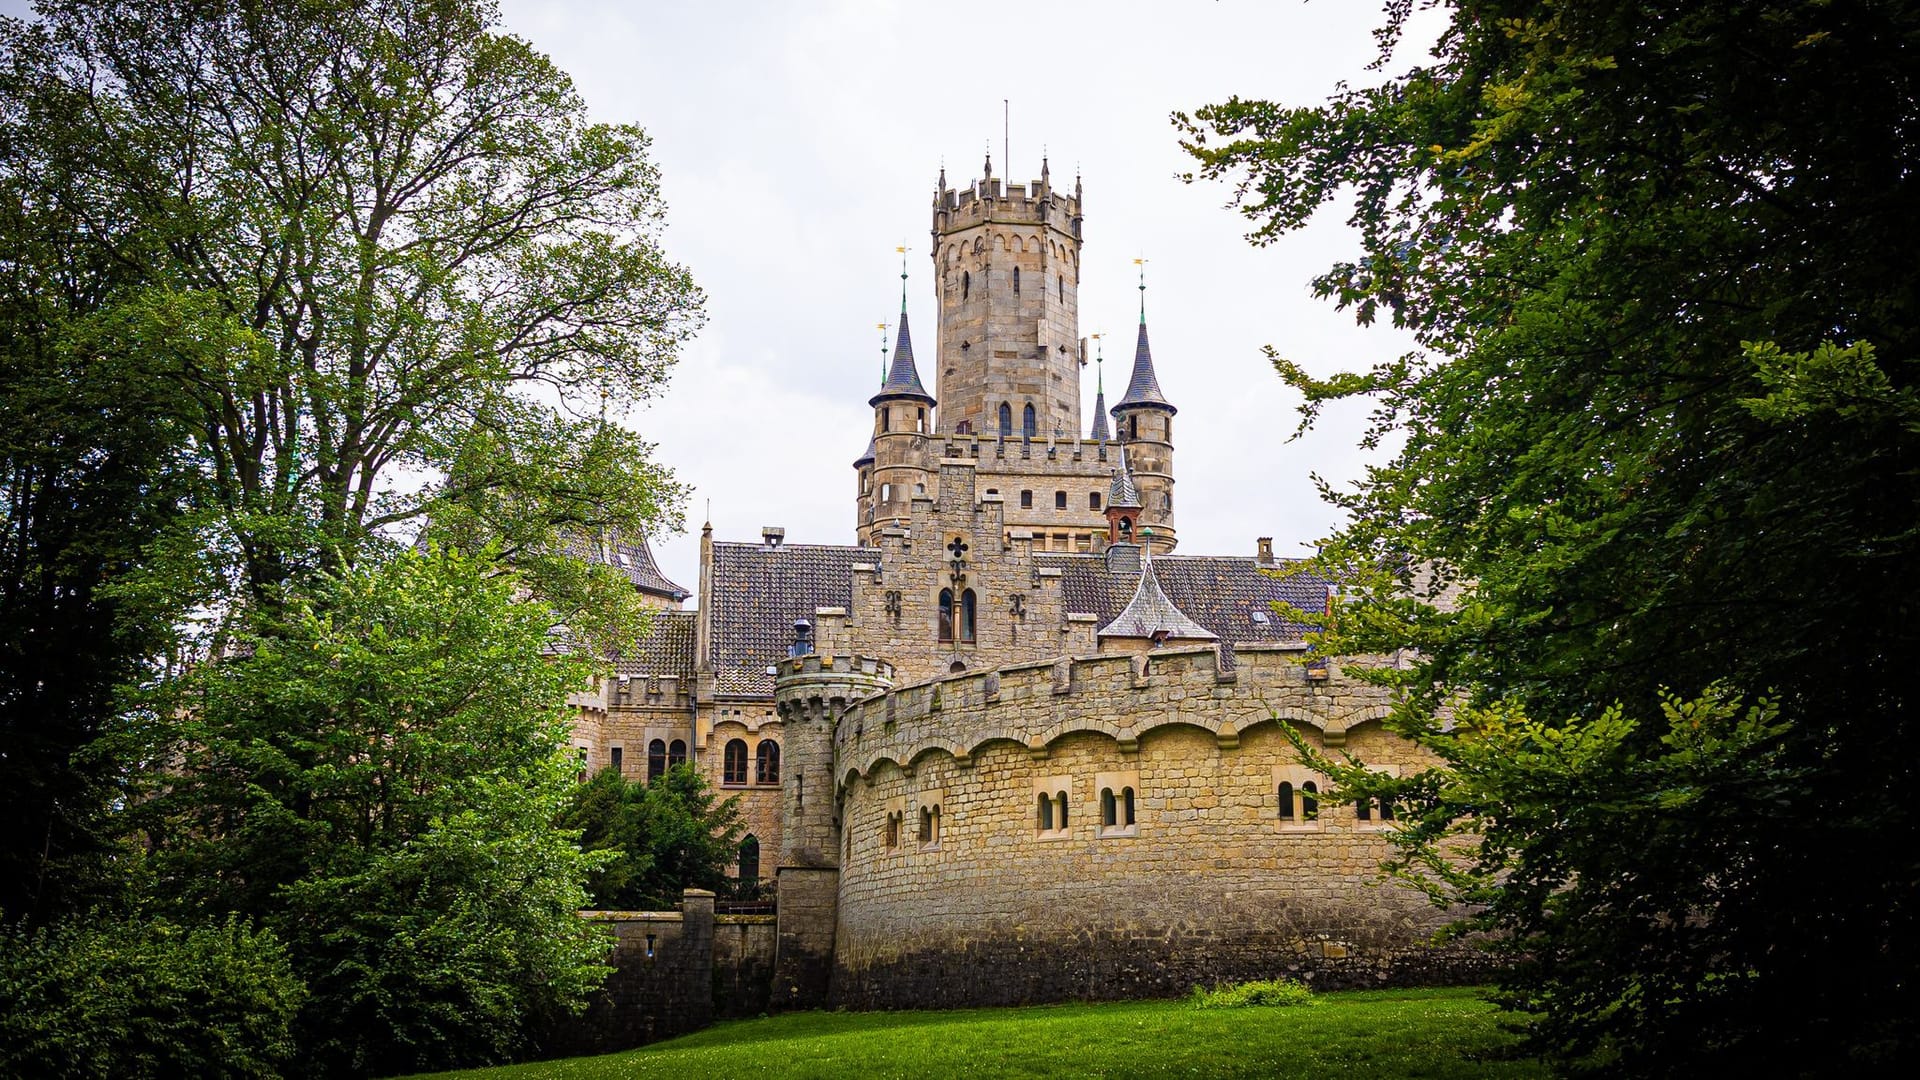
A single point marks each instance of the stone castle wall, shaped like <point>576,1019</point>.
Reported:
<point>1207,884</point>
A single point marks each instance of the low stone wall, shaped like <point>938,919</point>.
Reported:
<point>957,890</point>
<point>743,951</point>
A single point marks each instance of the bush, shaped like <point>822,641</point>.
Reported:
<point>109,997</point>
<point>1249,994</point>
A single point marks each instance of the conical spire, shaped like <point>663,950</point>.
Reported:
<point>866,457</point>
<point>1121,493</point>
<point>1100,400</point>
<point>1144,388</point>
<point>1150,614</point>
<point>903,379</point>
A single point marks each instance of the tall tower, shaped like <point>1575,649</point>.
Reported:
<point>1143,421</point>
<point>898,471</point>
<point>1006,261</point>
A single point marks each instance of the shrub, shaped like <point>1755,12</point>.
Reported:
<point>111,997</point>
<point>1248,994</point>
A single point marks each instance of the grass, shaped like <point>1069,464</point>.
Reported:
<point>1438,1034</point>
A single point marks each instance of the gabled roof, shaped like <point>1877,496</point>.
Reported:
<point>1143,390</point>
<point>665,650</point>
<point>1150,614</point>
<point>1220,592</point>
<point>758,592</point>
<point>632,557</point>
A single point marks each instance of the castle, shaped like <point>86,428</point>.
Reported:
<point>1009,746</point>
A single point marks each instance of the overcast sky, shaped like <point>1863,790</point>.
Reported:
<point>800,142</point>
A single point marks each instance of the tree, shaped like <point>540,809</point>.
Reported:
<point>1661,436</point>
<point>376,778</point>
<point>666,836</point>
<point>449,272</point>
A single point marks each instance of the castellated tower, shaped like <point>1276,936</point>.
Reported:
<point>1006,262</point>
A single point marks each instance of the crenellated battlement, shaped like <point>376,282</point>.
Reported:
<point>1216,688</point>
<point>993,200</point>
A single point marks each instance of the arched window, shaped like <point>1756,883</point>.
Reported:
<point>750,858</point>
<point>656,759</point>
<point>956,667</point>
<point>968,607</point>
<point>966,284</point>
<point>892,836</point>
<point>1126,530</point>
<point>1109,809</point>
<point>1043,814</point>
<point>766,762</point>
<point>1016,281</point>
<point>1060,811</point>
<point>1309,801</point>
<point>1006,419</point>
<point>944,628</point>
<point>1027,425</point>
<point>735,766</point>
<point>676,753</point>
<point>1126,806</point>
<point>1286,801</point>
<point>929,824</point>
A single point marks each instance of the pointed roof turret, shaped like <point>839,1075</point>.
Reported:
<point>866,458</point>
<point>1143,390</point>
<point>903,379</point>
<point>1100,392</point>
<point>1122,494</point>
<point>1150,614</point>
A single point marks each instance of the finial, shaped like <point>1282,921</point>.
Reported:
<point>1099,360</point>
<point>902,249</point>
<point>942,185</point>
<point>1044,174</point>
<point>882,327</point>
<point>1142,264</point>
<point>989,164</point>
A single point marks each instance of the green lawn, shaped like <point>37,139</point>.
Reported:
<point>1376,1033</point>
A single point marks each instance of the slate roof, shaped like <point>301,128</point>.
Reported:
<point>1150,613</point>
<point>1144,387</point>
<point>665,650</point>
<point>1121,492</point>
<point>903,379</point>
<point>1222,593</point>
<point>1100,416</point>
<point>866,456</point>
<point>757,593</point>
<point>630,556</point>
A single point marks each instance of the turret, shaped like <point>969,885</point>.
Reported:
<point>1006,263</point>
<point>1123,505</point>
<point>810,691</point>
<point>902,419</point>
<point>1143,421</point>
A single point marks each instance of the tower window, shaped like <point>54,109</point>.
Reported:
<point>1016,281</point>
<point>1006,419</point>
<point>944,628</point>
<point>1093,500</point>
<point>613,758</point>
<point>656,759</point>
<point>922,418</point>
<point>767,762</point>
<point>1063,288</point>
<point>735,761</point>
<point>884,414</point>
<point>966,284</point>
<point>968,606</point>
<point>1059,500</point>
<point>1026,500</point>
<point>1133,427</point>
<point>1027,425</point>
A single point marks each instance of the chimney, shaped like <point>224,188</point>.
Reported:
<point>1265,557</point>
<point>772,535</point>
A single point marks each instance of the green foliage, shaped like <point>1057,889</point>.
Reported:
<point>1449,1034</point>
<point>376,775</point>
<point>103,996</point>
<point>448,270</point>
<point>1247,995</point>
<point>1658,459</point>
<point>666,836</point>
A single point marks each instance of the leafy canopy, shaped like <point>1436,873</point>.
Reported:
<point>1661,457</point>
<point>665,836</point>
